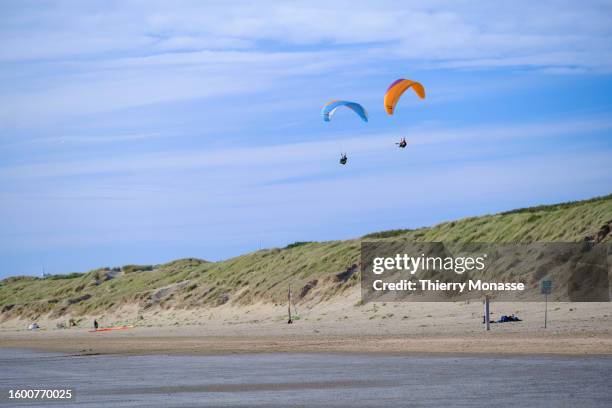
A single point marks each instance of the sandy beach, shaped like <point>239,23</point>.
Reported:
<point>339,326</point>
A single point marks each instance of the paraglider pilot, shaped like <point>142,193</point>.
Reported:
<point>402,143</point>
<point>343,159</point>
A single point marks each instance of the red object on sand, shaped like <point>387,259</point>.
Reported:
<point>103,329</point>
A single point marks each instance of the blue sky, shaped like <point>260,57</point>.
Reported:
<point>141,132</point>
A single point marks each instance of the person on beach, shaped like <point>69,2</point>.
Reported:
<point>95,324</point>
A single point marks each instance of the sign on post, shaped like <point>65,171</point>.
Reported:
<point>546,289</point>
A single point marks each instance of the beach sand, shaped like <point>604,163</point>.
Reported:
<point>338,325</point>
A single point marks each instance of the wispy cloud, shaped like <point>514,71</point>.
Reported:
<point>439,30</point>
<point>108,58</point>
<point>137,125</point>
<point>298,155</point>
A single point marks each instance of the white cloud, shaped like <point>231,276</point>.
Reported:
<point>442,31</point>
<point>217,208</point>
<point>80,58</point>
<point>90,87</point>
<point>85,72</point>
<point>263,162</point>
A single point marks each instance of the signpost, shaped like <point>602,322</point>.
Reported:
<point>546,289</point>
<point>486,313</point>
<point>289,305</point>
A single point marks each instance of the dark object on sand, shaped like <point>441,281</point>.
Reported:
<point>95,324</point>
<point>484,321</point>
<point>504,319</point>
<point>511,318</point>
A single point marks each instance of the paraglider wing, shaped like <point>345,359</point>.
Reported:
<point>330,108</point>
<point>397,88</point>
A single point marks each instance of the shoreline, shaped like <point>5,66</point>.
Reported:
<point>319,353</point>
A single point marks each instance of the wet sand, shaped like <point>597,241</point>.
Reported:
<point>313,380</point>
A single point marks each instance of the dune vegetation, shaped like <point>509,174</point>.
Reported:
<point>316,271</point>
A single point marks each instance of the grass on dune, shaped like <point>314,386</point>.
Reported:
<point>266,274</point>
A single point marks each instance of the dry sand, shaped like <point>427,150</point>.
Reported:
<point>341,325</point>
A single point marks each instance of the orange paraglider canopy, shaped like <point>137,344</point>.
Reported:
<point>397,88</point>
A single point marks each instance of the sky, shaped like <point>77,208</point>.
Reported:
<point>143,132</point>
